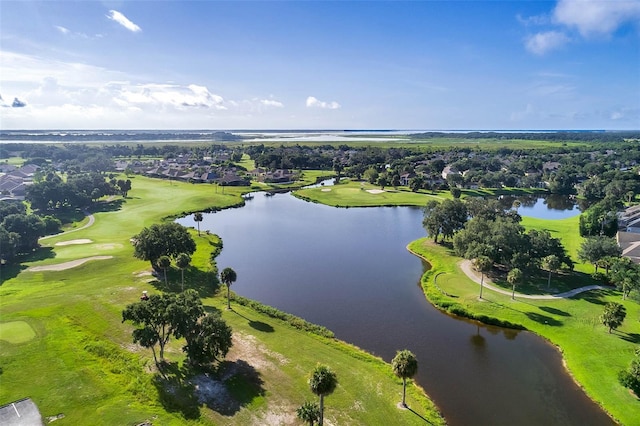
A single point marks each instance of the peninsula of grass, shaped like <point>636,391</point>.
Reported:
<point>64,344</point>
<point>592,355</point>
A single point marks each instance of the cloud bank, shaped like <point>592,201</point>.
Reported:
<point>588,18</point>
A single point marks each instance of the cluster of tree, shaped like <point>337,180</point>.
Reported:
<point>79,191</point>
<point>166,239</point>
<point>163,316</point>
<point>600,219</point>
<point>292,157</point>
<point>19,231</point>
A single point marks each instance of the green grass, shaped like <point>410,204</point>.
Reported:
<point>358,194</point>
<point>16,332</point>
<point>592,355</point>
<point>81,361</point>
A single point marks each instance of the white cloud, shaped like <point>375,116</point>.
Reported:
<point>313,102</point>
<point>596,17</point>
<point>544,42</point>
<point>271,103</point>
<point>118,17</point>
<point>63,30</point>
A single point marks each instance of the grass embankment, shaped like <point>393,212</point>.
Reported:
<point>63,343</point>
<point>593,356</point>
<point>363,194</point>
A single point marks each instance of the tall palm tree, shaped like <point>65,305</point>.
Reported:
<point>164,262</point>
<point>482,264</point>
<point>197,217</point>
<point>551,263</point>
<point>182,261</point>
<point>514,277</point>
<point>228,276</point>
<point>322,382</point>
<point>405,365</point>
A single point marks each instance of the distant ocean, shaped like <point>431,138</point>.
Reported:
<point>69,136</point>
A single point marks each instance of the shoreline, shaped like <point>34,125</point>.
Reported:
<point>521,327</point>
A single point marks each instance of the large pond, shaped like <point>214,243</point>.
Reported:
<point>349,270</point>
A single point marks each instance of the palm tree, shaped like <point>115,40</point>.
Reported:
<point>309,412</point>
<point>228,276</point>
<point>613,315</point>
<point>405,365</point>
<point>322,382</point>
<point>514,277</point>
<point>164,262</point>
<point>182,261</point>
<point>551,263</point>
<point>482,264</point>
<point>197,217</point>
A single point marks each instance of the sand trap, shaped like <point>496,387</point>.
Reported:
<point>326,189</point>
<point>66,265</point>
<point>375,191</point>
<point>70,242</point>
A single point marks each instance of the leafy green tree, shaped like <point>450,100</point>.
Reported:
<point>444,218</point>
<point>630,378</point>
<point>209,339</point>
<point>416,183</point>
<point>197,217</point>
<point>371,175</point>
<point>182,261</point>
<point>309,412</point>
<point>27,227</point>
<point>455,192</point>
<point>482,264</point>
<point>514,277</point>
<point>165,239</point>
<point>228,276</point>
<point>322,382</point>
<point>551,263</point>
<point>625,274</point>
<point>405,366</point>
<point>613,315</point>
<point>164,262</point>
<point>593,249</point>
<point>599,219</point>
<point>163,316</point>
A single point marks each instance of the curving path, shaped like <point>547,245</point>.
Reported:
<point>92,219</point>
<point>467,267</point>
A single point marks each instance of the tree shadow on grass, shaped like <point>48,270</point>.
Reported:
<point>631,337</point>
<point>12,270</point>
<point>594,296</point>
<point>543,319</point>
<point>419,415</point>
<point>555,311</point>
<point>257,325</point>
<point>204,282</point>
<point>177,393</point>
<point>107,206</point>
<point>236,384</point>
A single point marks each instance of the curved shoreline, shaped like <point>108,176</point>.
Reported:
<point>501,323</point>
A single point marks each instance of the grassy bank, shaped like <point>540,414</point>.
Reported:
<point>63,343</point>
<point>593,356</point>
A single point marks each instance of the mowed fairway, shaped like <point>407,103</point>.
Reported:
<point>79,359</point>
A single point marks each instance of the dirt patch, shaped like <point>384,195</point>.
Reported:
<point>66,265</point>
<point>375,191</point>
<point>246,347</point>
<point>73,242</point>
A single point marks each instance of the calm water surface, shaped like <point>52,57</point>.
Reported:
<point>349,270</point>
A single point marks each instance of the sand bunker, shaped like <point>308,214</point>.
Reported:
<point>375,191</point>
<point>66,265</point>
<point>326,189</point>
<point>70,242</point>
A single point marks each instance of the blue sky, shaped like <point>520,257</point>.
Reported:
<point>567,64</point>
